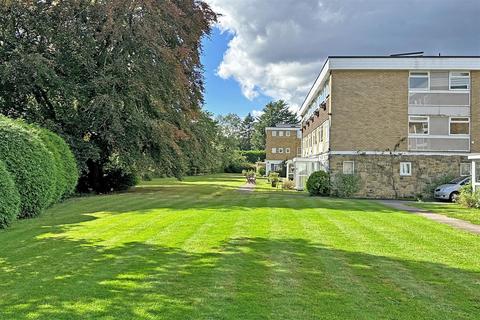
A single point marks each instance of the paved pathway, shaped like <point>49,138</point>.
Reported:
<point>456,223</point>
<point>247,187</point>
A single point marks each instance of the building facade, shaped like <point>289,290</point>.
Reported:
<point>399,123</point>
<point>282,143</point>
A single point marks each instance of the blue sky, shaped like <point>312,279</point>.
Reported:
<point>224,95</point>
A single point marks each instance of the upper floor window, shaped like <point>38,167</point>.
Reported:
<point>417,125</point>
<point>459,80</point>
<point>280,133</point>
<point>419,81</point>
<point>280,150</point>
<point>287,150</point>
<point>287,133</point>
<point>274,133</point>
<point>460,126</point>
<point>274,150</point>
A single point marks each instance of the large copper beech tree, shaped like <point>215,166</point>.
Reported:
<point>120,80</point>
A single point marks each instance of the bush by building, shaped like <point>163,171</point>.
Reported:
<point>345,185</point>
<point>318,184</point>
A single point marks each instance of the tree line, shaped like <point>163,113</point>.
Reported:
<point>122,82</point>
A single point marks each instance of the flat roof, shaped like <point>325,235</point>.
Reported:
<point>387,63</point>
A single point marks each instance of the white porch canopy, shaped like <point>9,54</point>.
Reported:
<point>474,158</point>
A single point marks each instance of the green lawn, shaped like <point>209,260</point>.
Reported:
<point>451,209</point>
<point>202,250</point>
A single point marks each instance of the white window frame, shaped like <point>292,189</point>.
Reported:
<point>403,167</point>
<point>287,133</point>
<point>280,150</point>
<point>450,76</point>
<point>450,121</point>
<point>413,75</point>
<point>280,133</point>
<point>274,150</point>
<point>274,133</point>
<point>287,150</point>
<point>353,167</point>
<point>468,165</point>
<point>418,121</point>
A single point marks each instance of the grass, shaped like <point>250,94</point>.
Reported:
<point>199,249</point>
<point>452,210</point>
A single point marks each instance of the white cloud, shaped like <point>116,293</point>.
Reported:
<point>256,113</point>
<point>279,46</point>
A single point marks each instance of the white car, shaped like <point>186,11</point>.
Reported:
<point>451,190</point>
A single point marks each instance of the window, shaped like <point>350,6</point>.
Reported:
<point>419,81</point>
<point>321,134</point>
<point>274,133</point>
<point>274,150</point>
<point>280,150</point>
<point>465,169</point>
<point>459,80</point>
<point>405,168</point>
<point>417,125</point>
<point>287,150</point>
<point>348,167</point>
<point>459,126</point>
<point>280,133</point>
<point>287,133</point>
<point>299,151</point>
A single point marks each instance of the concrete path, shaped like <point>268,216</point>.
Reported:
<point>456,223</point>
<point>247,187</point>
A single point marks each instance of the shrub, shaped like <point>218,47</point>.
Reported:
<point>9,198</point>
<point>467,198</point>
<point>253,156</point>
<point>30,164</point>
<point>318,184</point>
<point>288,184</point>
<point>66,173</point>
<point>345,185</point>
<point>262,171</point>
<point>118,180</point>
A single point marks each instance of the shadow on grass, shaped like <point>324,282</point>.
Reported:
<point>243,278</point>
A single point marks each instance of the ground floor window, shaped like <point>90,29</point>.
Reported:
<point>348,167</point>
<point>465,168</point>
<point>405,168</point>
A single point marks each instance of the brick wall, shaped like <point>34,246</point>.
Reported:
<point>376,173</point>
<point>369,110</point>
<point>475,111</point>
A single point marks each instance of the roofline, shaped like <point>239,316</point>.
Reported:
<point>280,128</point>
<point>403,57</point>
<point>450,63</point>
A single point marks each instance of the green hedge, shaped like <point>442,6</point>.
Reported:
<point>253,156</point>
<point>66,171</point>
<point>30,164</point>
<point>9,198</point>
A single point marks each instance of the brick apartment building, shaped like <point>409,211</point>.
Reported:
<point>283,142</point>
<point>398,122</point>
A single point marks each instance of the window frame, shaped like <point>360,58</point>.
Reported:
<point>287,133</point>
<point>412,75</point>
<point>274,150</point>
<point>450,121</point>
<point>287,150</point>
<point>274,133</point>
<point>280,133</point>
<point>461,77</point>
<point>353,166</point>
<point>418,121</point>
<point>469,165</point>
<point>403,165</point>
<point>280,150</point>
